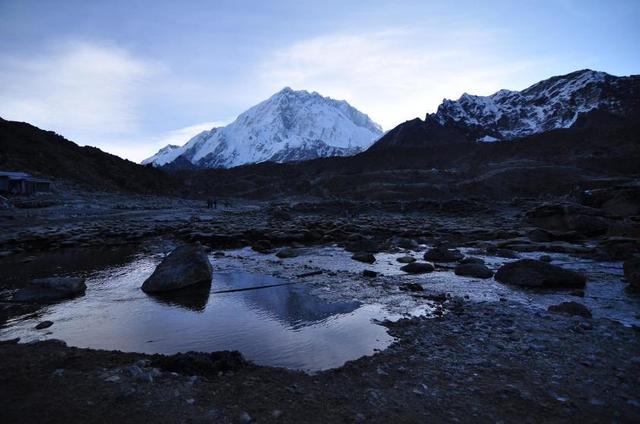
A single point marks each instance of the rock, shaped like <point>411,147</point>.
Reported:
<point>262,246</point>
<point>362,245</point>
<point>546,258</point>
<point>44,324</point>
<point>51,289</point>
<point>369,274</point>
<point>287,252</point>
<point>364,257</point>
<point>632,272</point>
<point>412,287</point>
<point>406,259</point>
<point>245,418</point>
<point>185,266</point>
<point>568,217</point>
<point>204,364</point>
<point>405,243</point>
<point>532,273</point>
<point>475,270</point>
<point>472,260</point>
<point>570,308</point>
<point>418,268</point>
<point>442,254</point>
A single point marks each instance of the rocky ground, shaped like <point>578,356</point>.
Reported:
<point>491,361</point>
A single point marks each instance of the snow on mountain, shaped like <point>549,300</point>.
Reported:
<point>550,104</point>
<point>165,155</point>
<point>289,126</point>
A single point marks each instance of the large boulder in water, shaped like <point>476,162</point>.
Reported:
<point>51,289</point>
<point>533,273</point>
<point>185,266</point>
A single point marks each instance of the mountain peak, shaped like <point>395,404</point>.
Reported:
<point>291,125</point>
<point>552,103</point>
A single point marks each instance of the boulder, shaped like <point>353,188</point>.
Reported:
<point>185,266</point>
<point>533,273</point>
<point>44,324</point>
<point>369,274</point>
<point>418,268</point>
<point>364,257</point>
<point>570,308</point>
<point>51,289</point>
<point>475,270</point>
<point>287,252</point>
<point>406,259</point>
<point>472,260</point>
<point>262,246</point>
<point>632,272</point>
<point>442,254</point>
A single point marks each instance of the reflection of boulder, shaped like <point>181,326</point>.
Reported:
<point>194,297</point>
<point>185,266</point>
<point>290,303</point>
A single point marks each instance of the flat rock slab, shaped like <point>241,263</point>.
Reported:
<point>51,289</point>
<point>533,273</point>
<point>185,266</point>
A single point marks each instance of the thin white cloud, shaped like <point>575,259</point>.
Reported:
<point>78,89</point>
<point>395,75</point>
<point>95,94</point>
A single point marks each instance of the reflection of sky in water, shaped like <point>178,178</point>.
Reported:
<point>280,326</point>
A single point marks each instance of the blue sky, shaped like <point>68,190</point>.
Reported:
<point>132,76</point>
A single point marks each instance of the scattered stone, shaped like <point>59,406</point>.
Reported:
<point>472,260</point>
<point>50,289</point>
<point>418,268</point>
<point>44,324</point>
<point>194,363</point>
<point>406,259</point>
<point>442,254</point>
<point>369,274</point>
<point>570,308</point>
<point>185,266</point>
<point>632,272</point>
<point>476,270</point>
<point>364,257</point>
<point>262,246</point>
<point>287,252</point>
<point>546,258</point>
<point>533,273</point>
<point>245,418</point>
<point>411,287</point>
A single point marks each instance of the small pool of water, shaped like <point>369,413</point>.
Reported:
<point>282,326</point>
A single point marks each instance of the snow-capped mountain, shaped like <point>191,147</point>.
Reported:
<point>289,126</point>
<point>550,104</point>
<point>555,103</point>
<point>165,155</point>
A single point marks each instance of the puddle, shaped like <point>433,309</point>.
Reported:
<point>281,326</point>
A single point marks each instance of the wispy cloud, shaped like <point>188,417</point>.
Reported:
<point>395,75</point>
<point>79,89</point>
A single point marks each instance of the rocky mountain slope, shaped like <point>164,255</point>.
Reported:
<point>24,147</point>
<point>289,126</point>
<point>556,103</point>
